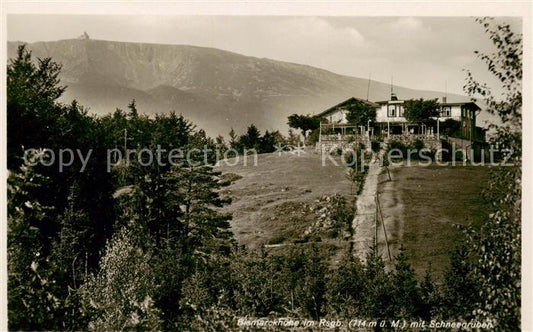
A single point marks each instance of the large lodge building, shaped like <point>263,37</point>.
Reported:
<point>390,120</point>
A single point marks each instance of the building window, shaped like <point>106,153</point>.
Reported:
<point>446,111</point>
<point>400,111</point>
<point>392,111</point>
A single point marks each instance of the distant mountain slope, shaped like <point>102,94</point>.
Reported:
<point>216,89</point>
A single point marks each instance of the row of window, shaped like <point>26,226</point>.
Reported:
<point>466,113</point>
<point>398,111</point>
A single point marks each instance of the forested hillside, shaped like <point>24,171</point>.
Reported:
<point>99,243</point>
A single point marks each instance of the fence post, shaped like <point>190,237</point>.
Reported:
<point>378,207</point>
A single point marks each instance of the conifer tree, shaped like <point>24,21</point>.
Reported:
<point>460,289</point>
<point>406,293</point>
<point>346,287</point>
<point>431,297</point>
<point>378,294</point>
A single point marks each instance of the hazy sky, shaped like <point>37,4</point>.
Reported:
<point>418,52</point>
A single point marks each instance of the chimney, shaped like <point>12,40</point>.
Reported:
<point>444,100</point>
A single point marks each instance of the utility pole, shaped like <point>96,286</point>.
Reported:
<point>125,140</point>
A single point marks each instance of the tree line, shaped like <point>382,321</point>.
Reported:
<point>148,248</point>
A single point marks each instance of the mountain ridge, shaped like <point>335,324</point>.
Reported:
<point>216,89</point>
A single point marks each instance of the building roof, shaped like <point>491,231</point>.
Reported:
<point>440,103</point>
<point>347,101</point>
<point>471,103</point>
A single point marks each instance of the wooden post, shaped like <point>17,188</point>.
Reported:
<point>383,225</point>
<point>320,135</point>
<point>376,227</point>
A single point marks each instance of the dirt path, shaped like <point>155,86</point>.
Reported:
<point>364,221</point>
<point>392,211</point>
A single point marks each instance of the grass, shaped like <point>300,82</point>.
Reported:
<point>278,201</point>
<point>422,205</point>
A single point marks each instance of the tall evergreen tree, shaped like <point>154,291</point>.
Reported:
<point>32,92</point>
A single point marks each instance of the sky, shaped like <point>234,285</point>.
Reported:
<point>416,52</point>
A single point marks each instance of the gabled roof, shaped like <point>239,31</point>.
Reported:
<point>346,102</point>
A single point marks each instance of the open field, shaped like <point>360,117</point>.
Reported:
<point>279,201</point>
<point>421,205</point>
<point>282,197</point>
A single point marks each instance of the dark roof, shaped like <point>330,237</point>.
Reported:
<point>471,103</point>
<point>442,104</point>
<point>349,100</point>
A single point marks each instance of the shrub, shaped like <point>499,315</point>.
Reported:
<point>277,239</point>
<point>351,159</point>
<point>120,295</point>
<point>418,145</point>
<point>397,146</point>
<point>313,137</point>
<point>375,146</point>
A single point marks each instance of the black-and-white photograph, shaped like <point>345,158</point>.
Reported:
<point>249,171</point>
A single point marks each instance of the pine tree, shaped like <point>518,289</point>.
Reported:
<point>32,91</point>
<point>69,259</point>
<point>378,293</point>
<point>406,293</point>
<point>314,283</point>
<point>234,139</point>
<point>346,287</point>
<point>194,192</point>
<point>176,210</point>
<point>431,297</point>
<point>460,289</point>
<point>251,140</point>
<point>132,106</point>
<point>267,143</point>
